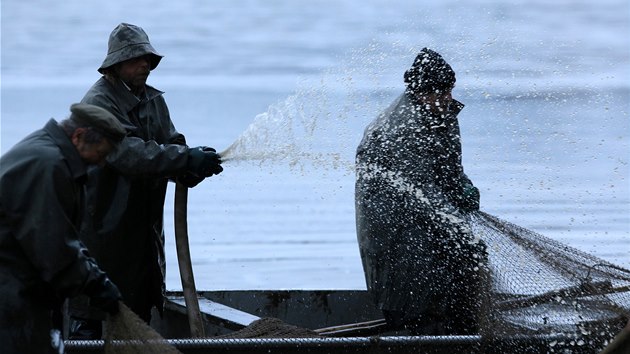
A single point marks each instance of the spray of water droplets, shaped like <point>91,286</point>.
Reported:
<point>322,123</point>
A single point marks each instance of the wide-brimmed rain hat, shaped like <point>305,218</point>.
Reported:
<point>127,42</point>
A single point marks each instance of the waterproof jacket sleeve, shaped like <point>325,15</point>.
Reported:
<point>136,157</point>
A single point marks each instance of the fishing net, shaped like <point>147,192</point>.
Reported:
<point>539,285</point>
<point>270,327</point>
<point>535,285</point>
<point>126,333</point>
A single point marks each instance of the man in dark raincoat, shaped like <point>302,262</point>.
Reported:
<point>42,261</point>
<point>422,264</point>
<point>126,197</point>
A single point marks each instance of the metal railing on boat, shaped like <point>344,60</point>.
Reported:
<point>376,344</point>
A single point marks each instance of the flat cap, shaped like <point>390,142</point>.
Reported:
<point>98,118</point>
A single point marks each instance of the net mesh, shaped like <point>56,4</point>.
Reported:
<point>539,285</point>
<point>534,285</point>
<point>126,333</point>
<point>270,327</point>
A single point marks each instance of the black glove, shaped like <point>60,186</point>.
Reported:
<point>204,161</point>
<point>189,180</point>
<point>470,198</point>
<point>104,294</point>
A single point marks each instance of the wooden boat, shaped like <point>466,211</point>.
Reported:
<point>344,321</point>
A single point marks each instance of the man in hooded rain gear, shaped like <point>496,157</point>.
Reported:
<point>421,262</point>
<point>42,261</point>
<point>124,228</point>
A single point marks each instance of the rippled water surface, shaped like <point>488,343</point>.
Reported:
<point>545,130</point>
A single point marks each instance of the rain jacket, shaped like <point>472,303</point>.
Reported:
<point>42,260</point>
<point>416,247</point>
<point>124,228</point>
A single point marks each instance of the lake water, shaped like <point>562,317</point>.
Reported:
<point>545,130</point>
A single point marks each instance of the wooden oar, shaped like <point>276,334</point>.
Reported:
<point>185,265</point>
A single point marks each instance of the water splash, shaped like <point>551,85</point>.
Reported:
<point>322,123</point>
<point>286,132</point>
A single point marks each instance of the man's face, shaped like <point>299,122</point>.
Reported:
<point>135,71</point>
<point>91,153</point>
<point>436,102</point>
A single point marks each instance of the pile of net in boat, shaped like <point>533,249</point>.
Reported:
<point>540,285</point>
<point>269,327</point>
<point>126,333</point>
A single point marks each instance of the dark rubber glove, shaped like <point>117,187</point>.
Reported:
<point>104,294</point>
<point>217,168</point>
<point>470,198</point>
<point>203,161</point>
<point>189,180</point>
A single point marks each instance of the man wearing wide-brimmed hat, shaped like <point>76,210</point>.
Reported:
<point>123,229</point>
<point>42,261</point>
<point>422,264</point>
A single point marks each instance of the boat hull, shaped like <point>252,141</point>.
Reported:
<point>225,312</point>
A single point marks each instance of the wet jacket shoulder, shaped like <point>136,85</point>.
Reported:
<point>153,146</point>
<point>41,195</point>
<point>416,145</point>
